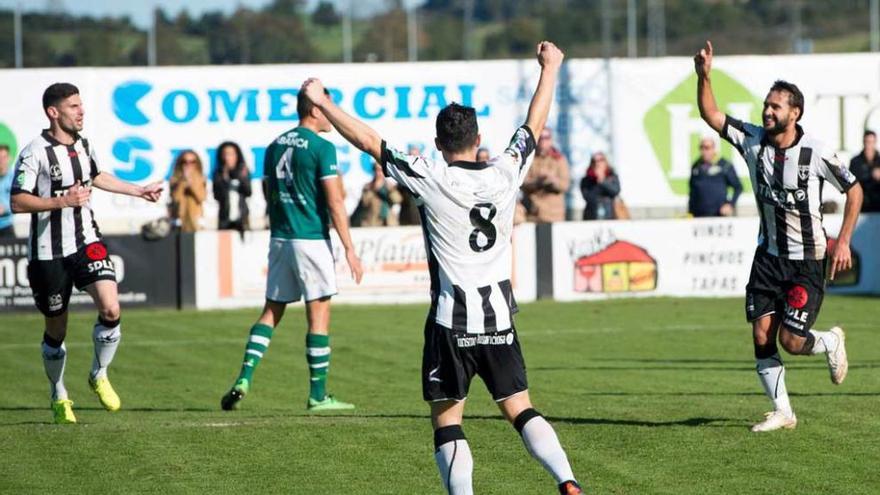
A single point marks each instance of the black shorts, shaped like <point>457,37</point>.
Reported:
<point>52,281</point>
<point>791,289</point>
<point>451,359</point>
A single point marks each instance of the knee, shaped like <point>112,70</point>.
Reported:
<point>519,422</point>
<point>791,343</point>
<point>110,313</point>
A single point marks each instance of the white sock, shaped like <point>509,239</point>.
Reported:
<point>771,372</point>
<point>54,359</point>
<point>106,341</point>
<point>825,341</point>
<point>541,442</point>
<point>454,461</point>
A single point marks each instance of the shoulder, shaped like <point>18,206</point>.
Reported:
<point>817,146</point>
<point>36,148</point>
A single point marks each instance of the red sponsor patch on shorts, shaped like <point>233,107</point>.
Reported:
<point>96,251</point>
<point>797,297</point>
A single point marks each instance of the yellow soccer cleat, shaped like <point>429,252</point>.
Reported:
<point>62,412</point>
<point>106,394</point>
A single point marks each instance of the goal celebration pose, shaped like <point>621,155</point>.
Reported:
<point>788,168</point>
<point>53,182</point>
<point>467,210</point>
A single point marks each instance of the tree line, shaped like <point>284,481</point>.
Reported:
<point>285,31</point>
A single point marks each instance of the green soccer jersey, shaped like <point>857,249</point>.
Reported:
<point>296,164</point>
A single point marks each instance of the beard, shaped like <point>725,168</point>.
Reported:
<point>778,127</point>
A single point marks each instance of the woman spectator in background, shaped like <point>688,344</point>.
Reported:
<point>232,188</point>
<point>187,187</point>
<point>376,207</point>
<point>600,188</point>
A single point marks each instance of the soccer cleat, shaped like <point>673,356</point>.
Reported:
<point>230,401</point>
<point>106,394</point>
<point>62,412</point>
<point>570,488</point>
<point>329,403</point>
<point>775,420</point>
<point>837,362</point>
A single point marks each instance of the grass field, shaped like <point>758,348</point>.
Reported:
<point>648,396</point>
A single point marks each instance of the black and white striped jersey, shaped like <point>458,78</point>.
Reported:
<point>47,168</point>
<point>467,213</point>
<point>788,188</point>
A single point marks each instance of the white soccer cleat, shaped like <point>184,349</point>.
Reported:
<point>837,362</point>
<point>776,420</point>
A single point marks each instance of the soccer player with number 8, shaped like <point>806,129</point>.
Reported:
<point>467,209</point>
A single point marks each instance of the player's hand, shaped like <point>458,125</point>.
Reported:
<point>875,174</point>
<point>76,195</point>
<point>313,88</point>
<point>703,60</point>
<point>151,192</point>
<point>841,258</point>
<point>726,210</point>
<point>354,263</point>
<point>549,55</point>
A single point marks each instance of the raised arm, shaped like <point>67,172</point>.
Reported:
<point>705,98</point>
<point>550,58</point>
<point>362,136</point>
<point>110,183</point>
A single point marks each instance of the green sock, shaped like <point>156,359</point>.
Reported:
<point>257,345</point>
<point>318,357</point>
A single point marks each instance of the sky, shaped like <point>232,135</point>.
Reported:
<point>139,10</point>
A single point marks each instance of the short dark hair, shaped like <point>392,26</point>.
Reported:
<point>457,128</point>
<point>304,105</point>
<point>869,132</point>
<point>4,147</point>
<point>57,92</point>
<point>795,97</point>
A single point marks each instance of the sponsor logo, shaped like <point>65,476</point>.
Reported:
<point>20,179</point>
<point>618,266</point>
<point>293,139</point>
<point>96,251</point>
<point>797,297</point>
<point>674,127</point>
<point>132,154</point>
<point>104,267</point>
<point>483,339</point>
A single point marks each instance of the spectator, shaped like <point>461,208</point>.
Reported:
<point>711,177</point>
<point>187,187</point>
<point>375,208</point>
<point>232,187</point>
<point>600,188</point>
<point>483,155</point>
<point>6,230</point>
<point>547,182</point>
<point>409,210</point>
<point>866,167</point>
